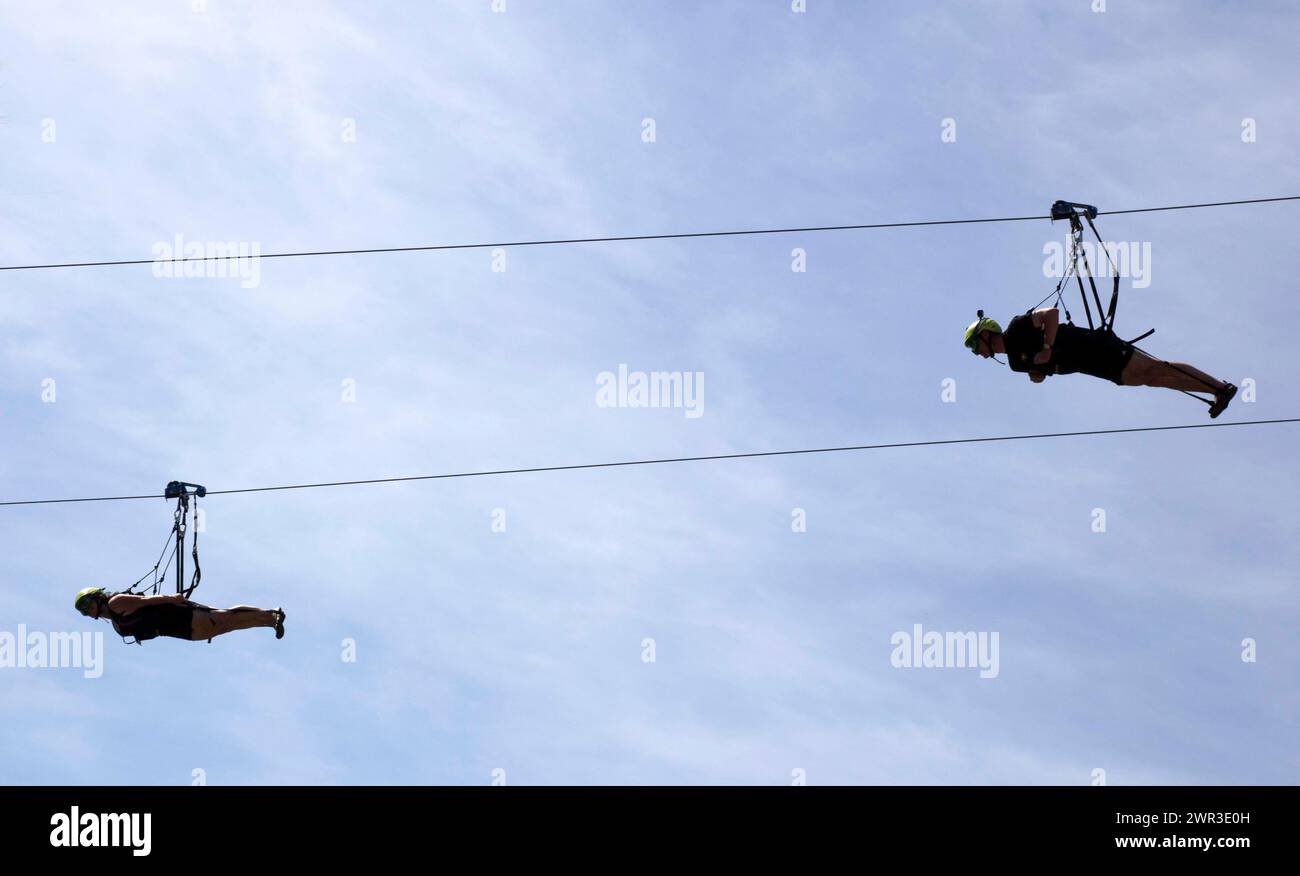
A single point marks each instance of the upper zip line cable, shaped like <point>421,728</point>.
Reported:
<point>676,459</point>
<point>615,239</point>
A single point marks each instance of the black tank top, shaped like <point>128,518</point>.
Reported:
<point>1023,341</point>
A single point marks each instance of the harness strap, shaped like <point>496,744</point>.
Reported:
<point>198,571</point>
<point>1114,272</point>
<point>1076,230</point>
<point>1086,310</point>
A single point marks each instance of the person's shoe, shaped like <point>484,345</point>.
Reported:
<point>1221,399</point>
<point>279,623</point>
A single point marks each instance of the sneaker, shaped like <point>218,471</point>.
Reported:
<point>1221,399</point>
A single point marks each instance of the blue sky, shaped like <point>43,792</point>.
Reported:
<point>522,651</point>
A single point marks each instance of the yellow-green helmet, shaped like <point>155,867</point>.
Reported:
<point>983,324</point>
<point>85,596</point>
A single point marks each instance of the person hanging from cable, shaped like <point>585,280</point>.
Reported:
<point>1038,344</point>
<point>150,614</point>
<point>147,617</point>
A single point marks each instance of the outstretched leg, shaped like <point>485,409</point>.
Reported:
<point>1143,370</point>
<point>212,622</point>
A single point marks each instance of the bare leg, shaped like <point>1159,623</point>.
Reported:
<point>210,623</point>
<point>1142,370</point>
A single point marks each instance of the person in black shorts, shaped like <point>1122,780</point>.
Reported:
<point>148,617</point>
<point>1035,343</point>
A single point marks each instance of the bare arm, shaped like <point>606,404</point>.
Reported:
<point>1047,319</point>
<point>125,603</point>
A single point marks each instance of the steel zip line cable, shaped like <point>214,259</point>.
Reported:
<point>615,239</point>
<point>675,459</point>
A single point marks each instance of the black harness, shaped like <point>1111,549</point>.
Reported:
<point>1077,214</point>
<point>181,492</point>
<point>185,514</point>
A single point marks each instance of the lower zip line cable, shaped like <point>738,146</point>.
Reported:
<point>674,460</point>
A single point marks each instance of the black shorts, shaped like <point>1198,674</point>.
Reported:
<point>1098,353</point>
<point>173,621</point>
